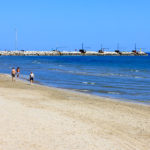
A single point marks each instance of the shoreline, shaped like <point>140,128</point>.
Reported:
<point>40,117</point>
<point>95,95</point>
<point>84,93</point>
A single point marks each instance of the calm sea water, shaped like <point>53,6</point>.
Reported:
<point>123,77</point>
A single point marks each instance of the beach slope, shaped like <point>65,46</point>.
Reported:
<point>35,117</point>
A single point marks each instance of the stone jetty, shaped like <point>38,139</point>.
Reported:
<point>66,53</point>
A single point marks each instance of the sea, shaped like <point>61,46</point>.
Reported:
<point>126,78</point>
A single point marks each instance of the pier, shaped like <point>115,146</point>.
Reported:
<point>66,53</point>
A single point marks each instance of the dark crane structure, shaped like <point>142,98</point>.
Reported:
<point>102,49</point>
<point>82,50</point>
<point>117,50</point>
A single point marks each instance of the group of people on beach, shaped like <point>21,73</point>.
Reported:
<point>16,72</point>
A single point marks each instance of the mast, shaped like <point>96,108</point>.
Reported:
<point>16,38</point>
<point>135,46</point>
<point>117,46</point>
<point>101,46</point>
<point>82,45</point>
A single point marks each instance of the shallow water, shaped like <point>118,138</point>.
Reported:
<point>123,77</point>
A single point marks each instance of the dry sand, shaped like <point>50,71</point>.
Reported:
<point>35,117</point>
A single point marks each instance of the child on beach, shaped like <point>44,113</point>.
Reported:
<point>13,74</point>
<point>31,77</point>
<point>18,71</point>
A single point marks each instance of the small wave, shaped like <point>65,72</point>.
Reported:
<point>85,82</point>
<point>84,90</point>
<point>113,93</point>
<point>138,77</point>
<point>79,73</point>
<point>88,73</point>
<point>56,69</point>
<point>121,75</point>
<point>36,62</point>
<point>137,70</point>
<point>68,71</point>
<point>109,92</point>
<point>111,74</point>
<point>134,70</point>
<point>92,83</point>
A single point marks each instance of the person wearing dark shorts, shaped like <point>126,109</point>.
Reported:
<point>13,74</point>
<point>31,77</point>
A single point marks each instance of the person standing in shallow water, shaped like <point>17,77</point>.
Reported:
<point>13,74</point>
<point>31,77</point>
<point>18,72</point>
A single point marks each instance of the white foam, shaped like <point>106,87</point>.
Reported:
<point>114,93</point>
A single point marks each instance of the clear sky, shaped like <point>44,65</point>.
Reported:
<point>47,24</point>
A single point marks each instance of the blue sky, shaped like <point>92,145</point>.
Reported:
<point>47,24</point>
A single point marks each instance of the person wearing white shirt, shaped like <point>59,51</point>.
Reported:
<point>31,77</point>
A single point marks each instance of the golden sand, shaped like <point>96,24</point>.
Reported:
<point>35,117</point>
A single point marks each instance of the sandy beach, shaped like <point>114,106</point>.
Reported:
<point>35,117</point>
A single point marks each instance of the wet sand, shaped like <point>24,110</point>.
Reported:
<point>35,117</point>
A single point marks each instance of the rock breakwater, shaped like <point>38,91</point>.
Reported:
<point>66,53</point>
